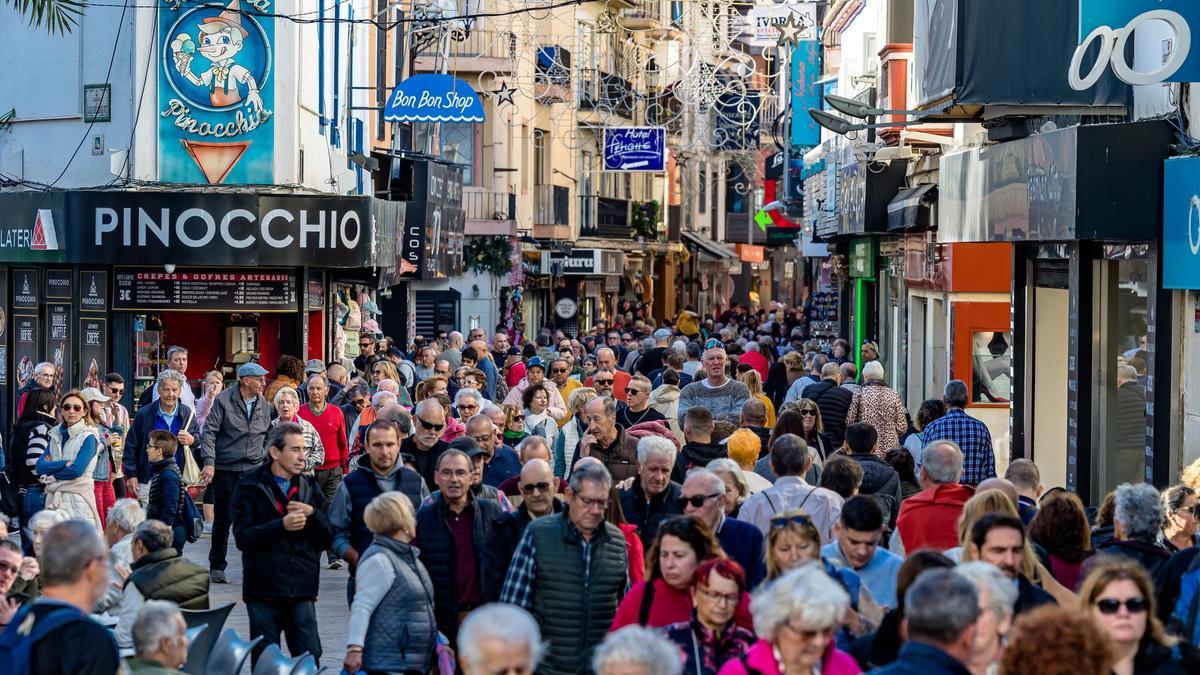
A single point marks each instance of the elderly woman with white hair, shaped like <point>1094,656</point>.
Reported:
<point>880,406</point>
<point>997,598</point>
<point>499,638</point>
<point>796,619</point>
<point>392,625</point>
<point>287,405</point>
<point>635,650</point>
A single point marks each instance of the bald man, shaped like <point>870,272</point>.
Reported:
<point>607,359</point>
<point>539,488</point>
<point>425,444</point>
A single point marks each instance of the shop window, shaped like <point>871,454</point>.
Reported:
<point>458,146</point>
<point>991,367</point>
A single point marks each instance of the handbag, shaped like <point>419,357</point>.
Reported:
<point>190,472</point>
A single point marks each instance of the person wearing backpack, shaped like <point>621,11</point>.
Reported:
<point>164,501</point>
<point>54,633</point>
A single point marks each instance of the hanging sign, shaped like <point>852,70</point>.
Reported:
<point>635,149</point>
<point>1165,26</point>
<point>433,97</point>
<point>767,19</point>
<point>216,93</point>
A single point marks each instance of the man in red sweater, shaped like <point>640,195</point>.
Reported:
<point>929,519</point>
<point>330,424</point>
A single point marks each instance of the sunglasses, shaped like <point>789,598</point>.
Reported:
<point>535,487</point>
<point>1194,510</point>
<point>808,413</point>
<point>72,406</point>
<point>559,370</point>
<point>783,521</point>
<point>1112,606</point>
<point>364,345</point>
<point>696,500</point>
<point>631,390</point>
<point>605,381</point>
<point>116,392</point>
<point>430,425</point>
<point>518,418</point>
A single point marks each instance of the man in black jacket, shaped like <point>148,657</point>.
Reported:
<point>880,480</point>
<point>698,450</point>
<point>451,531</point>
<point>653,495</point>
<point>279,524</point>
<point>539,489</point>
<point>832,400</point>
<point>754,418</point>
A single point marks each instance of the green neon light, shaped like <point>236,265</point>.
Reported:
<point>860,310</point>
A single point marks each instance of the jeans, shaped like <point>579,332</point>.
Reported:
<point>329,480</point>
<point>33,499</point>
<point>296,619</point>
<point>222,489</point>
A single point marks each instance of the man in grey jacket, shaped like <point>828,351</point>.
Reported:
<point>233,443</point>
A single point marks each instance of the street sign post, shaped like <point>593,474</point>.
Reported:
<point>642,149</point>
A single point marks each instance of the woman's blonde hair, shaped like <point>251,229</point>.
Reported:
<point>580,398</point>
<point>753,381</point>
<point>87,408</point>
<point>744,447</point>
<point>1114,568</point>
<point>510,411</point>
<point>389,513</point>
<point>1191,475</point>
<point>981,504</point>
<point>784,523</point>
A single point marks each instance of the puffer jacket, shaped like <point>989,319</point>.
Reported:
<point>696,455</point>
<point>834,403</point>
<point>665,400</point>
<point>881,481</point>
<point>163,575</point>
<point>402,633</point>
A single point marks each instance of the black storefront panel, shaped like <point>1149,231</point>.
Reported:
<point>213,290</point>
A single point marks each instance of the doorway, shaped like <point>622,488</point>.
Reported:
<point>1047,409</point>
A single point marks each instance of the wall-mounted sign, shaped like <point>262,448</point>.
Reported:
<point>432,230</point>
<point>216,93</point>
<point>766,19</point>
<point>635,149</point>
<point>58,341</point>
<point>93,291</point>
<point>862,258</point>
<point>25,347</point>
<point>433,97</point>
<point>566,308</point>
<point>583,261</point>
<point>93,350</point>
<point>1181,223</point>
<point>58,284</point>
<point>26,292</point>
<point>210,289</point>
<point>806,93</point>
<point>1112,23</point>
<point>97,103</point>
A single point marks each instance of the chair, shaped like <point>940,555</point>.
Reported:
<point>229,654</point>
<point>200,646</point>
<point>273,662</point>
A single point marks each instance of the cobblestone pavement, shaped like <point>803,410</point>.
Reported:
<point>333,615</point>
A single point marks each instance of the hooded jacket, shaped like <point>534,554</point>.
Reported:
<point>647,514</point>
<point>696,455</point>
<point>665,400</point>
<point>881,481</point>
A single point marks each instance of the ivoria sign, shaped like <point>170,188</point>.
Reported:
<point>1159,30</point>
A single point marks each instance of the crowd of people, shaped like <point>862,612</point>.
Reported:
<point>716,496</point>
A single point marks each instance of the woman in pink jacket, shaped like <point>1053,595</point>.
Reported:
<point>796,618</point>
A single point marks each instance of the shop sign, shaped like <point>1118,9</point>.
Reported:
<point>806,93</point>
<point>862,258</point>
<point>58,339</point>
<point>635,149</point>
<point>25,349</point>
<point>3,333</point>
<point>612,283</point>
<point>583,262</point>
<point>58,284</point>
<point>565,308</point>
<point>1181,223</point>
<point>432,240</point>
<point>93,349</point>
<point>193,228</point>
<point>433,97</point>
<point>750,253</point>
<point>228,290</point>
<point>316,295</point>
<point>1112,24</point>
<point>216,92</point>
<point>766,20</point>
<point>852,196</point>
<point>93,291</point>
<point>25,289</point>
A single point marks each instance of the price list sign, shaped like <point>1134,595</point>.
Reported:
<point>231,291</point>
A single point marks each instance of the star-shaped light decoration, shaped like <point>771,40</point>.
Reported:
<point>789,31</point>
<point>504,94</point>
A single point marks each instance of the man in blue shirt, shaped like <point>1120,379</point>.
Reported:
<point>971,435</point>
<point>859,531</point>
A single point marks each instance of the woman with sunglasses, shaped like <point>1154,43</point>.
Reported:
<point>538,421</point>
<point>792,541</point>
<point>1119,596</point>
<point>70,460</point>
<point>796,619</point>
<point>1181,518</point>
<point>664,598</point>
<point>711,637</point>
<point>514,425</point>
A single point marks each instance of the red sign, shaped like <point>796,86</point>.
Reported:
<point>751,253</point>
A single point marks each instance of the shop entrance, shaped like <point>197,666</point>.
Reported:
<point>1122,365</point>
<point>1047,408</point>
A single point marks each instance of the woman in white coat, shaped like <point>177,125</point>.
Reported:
<point>66,468</point>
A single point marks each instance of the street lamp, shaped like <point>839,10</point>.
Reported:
<point>858,109</point>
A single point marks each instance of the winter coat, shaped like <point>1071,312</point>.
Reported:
<point>402,632</point>
<point>164,575</point>
<point>565,443</point>
<point>880,406</point>
<point>696,455</point>
<point>499,548</point>
<point>883,482</point>
<point>231,440</point>
<point>73,493</point>
<point>834,403</point>
<point>620,458</point>
<point>1150,555</point>
<point>26,446</point>
<point>929,519</point>
<point>761,658</point>
<point>257,508</point>
<point>647,515</point>
<point>136,463</point>
<point>665,400</point>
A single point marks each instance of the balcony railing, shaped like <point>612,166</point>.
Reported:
<point>604,217</point>
<point>605,92</point>
<point>474,44</point>
<point>551,204</point>
<point>489,205</point>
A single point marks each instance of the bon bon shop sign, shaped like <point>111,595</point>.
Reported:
<point>433,97</point>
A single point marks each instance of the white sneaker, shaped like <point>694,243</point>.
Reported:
<point>208,527</point>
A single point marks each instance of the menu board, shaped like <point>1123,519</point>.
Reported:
<point>25,349</point>
<point>216,290</point>
<point>93,350</point>
<point>58,341</point>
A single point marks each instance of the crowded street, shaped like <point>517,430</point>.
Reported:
<point>599,337</point>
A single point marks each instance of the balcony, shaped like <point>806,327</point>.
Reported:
<point>603,217</point>
<point>552,75</point>
<point>551,204</point>
<point>606,93</point>
<point>479,51</point>
<point>647,15</point>
<point>769,109</point>
<point>489,213</point>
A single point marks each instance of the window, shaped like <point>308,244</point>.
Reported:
<point>458,146</point>
<point>991,363</point>
<point>541,173</point>
<point>702,191</point>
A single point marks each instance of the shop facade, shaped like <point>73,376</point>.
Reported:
<point>584,286</point>
<point>100,281</point>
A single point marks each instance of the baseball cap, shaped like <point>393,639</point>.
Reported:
<point>93,394</point>
<point>468,445</point>
<point>535,362</point>
<point>662,333</point>
<point>314,366</point>
<point>251,369</point>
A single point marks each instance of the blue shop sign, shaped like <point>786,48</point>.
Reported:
<point>433,97</point>
<point>1162,53</point>
<point>1181,223</point>
<point>635,149</point>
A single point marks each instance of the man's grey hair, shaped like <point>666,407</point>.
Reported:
<point>67,550</point>
<point>873,372</point>
<point>655,446</point>
<point>318,376</point>
<point>156,620</point>
<point>1001,593</point>
<point>153,535</point>
<point>648,344</point>
<point>955,394</point>
<point>357,389</point>
<point>680,348</point>
<point>716,484</point>
<point>942,461</point>
<point>176,349</point>
<point>169,374</point>
<point>1127,373</point>
<point>487,407</point>
<point>44,365</point>
<point>1024,474</point>
<point>338,373</point>
<point>508,624</point>
<point>752,347</point>
<point>126,515</point>
<point>454,339</point>
<point>592,472</point>
<point>398,414</point>
<point>803,597</point>
<point>635,645</point>
<point>830,371</point>
<point>610,406</point>
<point>467,392</point>
<point>1139,511</point>
<point>605,349</point>
<point>939,606</point>
<point>528,442</point>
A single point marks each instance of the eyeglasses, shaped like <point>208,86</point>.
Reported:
<point>484,440</point>
<point>468,406</point>
<point>697,500</point>
<point>559,370</point>
<point>454,473</point>
<point>430,425</point>
<point>72,406</point>
<point>605,381</point>
<point>593,503</point>
<point>730,599</point>
<point>810,634</point>
<point>807,412</point>
<point>1112,605</point>
<point>1193,510</point>
<point>535,487</point>
<point>783,521</point>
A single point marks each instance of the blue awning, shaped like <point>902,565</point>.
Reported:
<point>433,97</point>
